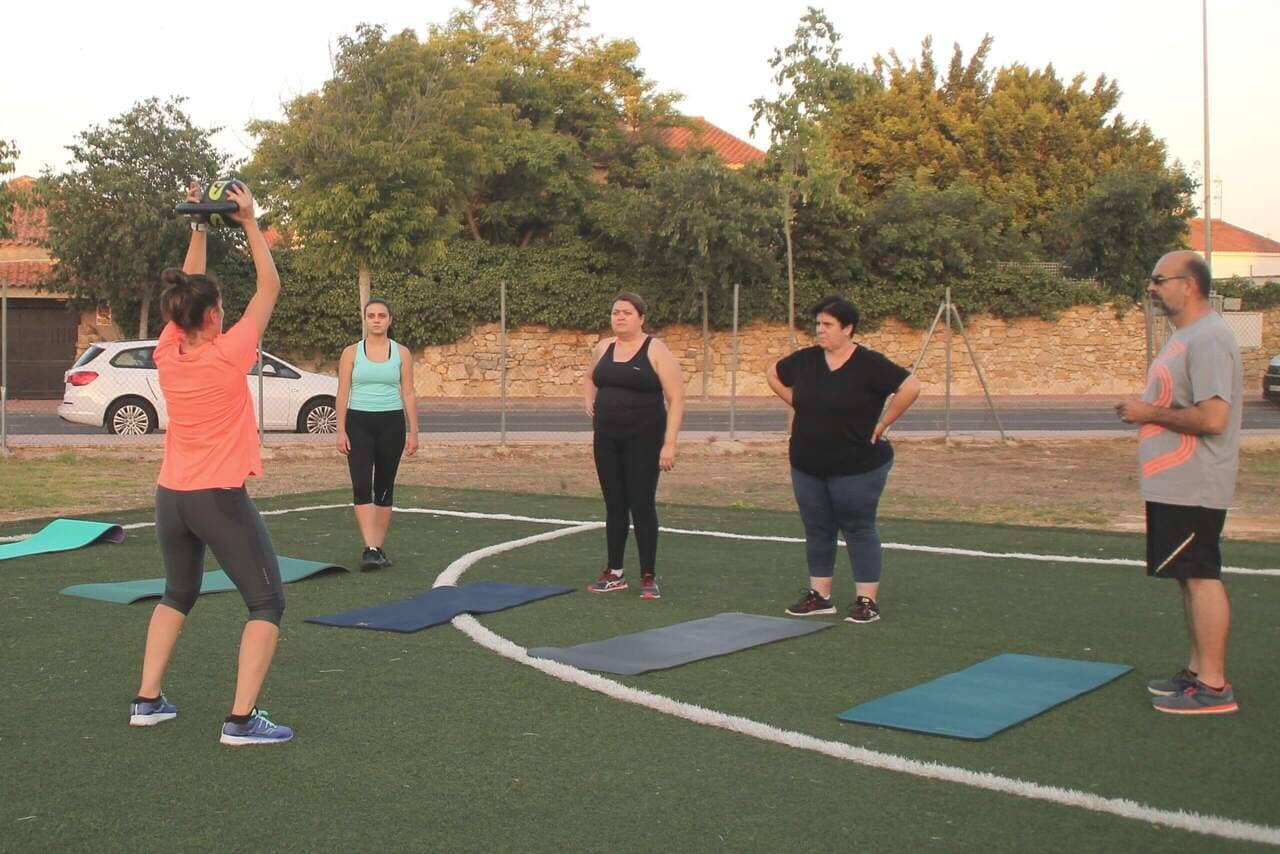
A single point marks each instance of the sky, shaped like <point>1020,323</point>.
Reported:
<point>67,66</point>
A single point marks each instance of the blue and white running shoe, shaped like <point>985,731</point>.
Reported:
<point>151,713</point>
<point>259,729</point>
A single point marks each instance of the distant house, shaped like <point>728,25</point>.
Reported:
<point>44,333</point>
<point>734,152</point>
<point>1237,251</point>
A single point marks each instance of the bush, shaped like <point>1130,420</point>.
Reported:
<point>571,285</point>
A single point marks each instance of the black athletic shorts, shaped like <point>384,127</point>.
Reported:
<point>1183,542</point>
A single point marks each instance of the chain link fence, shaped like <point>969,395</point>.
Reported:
<point>494,390</point>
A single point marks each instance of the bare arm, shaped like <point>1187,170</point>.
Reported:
<point>345,366</point>
<point>783,391</point>
<point>672,380</point>
<point>196,261</point>
<point>410,397</point>
<point>588,387</point>
<point>898,404</point>
<point>263,302</point>
<point>1206,418</point>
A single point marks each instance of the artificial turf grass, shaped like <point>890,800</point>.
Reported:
<point>423,744</point>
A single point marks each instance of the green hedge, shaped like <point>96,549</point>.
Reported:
<point>572,285</point>
<point>1252,297</point>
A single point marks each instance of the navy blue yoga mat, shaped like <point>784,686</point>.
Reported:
<point>439,605</point>
<point>993,695</point>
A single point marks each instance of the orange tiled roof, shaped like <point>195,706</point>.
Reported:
<point>730,149</point>
<point>1230,238</point>
<point>25,274</point>
<point>28,226</point>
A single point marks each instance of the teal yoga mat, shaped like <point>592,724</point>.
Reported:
<point>127,592</point>
<point>991,696</point>
<point>63,535</point>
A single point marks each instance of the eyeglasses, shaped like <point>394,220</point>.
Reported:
<point>1160,280</point>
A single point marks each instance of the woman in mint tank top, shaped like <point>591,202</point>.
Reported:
<point>377,423</point>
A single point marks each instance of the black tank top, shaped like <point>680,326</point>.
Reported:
<point>628,395</point>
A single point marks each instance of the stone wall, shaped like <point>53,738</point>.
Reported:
<point>1087,350</point>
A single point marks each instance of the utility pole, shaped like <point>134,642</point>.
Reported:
<point>1208,210</point>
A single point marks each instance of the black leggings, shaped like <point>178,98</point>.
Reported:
<point>228,523</point>
<point>628,470</point>
<point>377,441</point>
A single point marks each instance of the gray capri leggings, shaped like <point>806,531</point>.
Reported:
<point>228,523</point>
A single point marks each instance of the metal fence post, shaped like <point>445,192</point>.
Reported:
<point>947,405</point>
<point>733,369</point>
<point>262,402</point>
<point>706,346</point>
<point>4,369</point>
<point>502,357</point>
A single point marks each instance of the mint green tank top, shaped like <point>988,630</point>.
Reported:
<point>375,386</point>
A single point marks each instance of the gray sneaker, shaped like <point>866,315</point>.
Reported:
<point>1175,684</point>
<point>1199,699</point>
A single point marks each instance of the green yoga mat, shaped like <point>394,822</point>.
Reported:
<point>63,535</point>
<point>127,592</point>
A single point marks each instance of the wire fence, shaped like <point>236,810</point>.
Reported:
<point>110,394</point>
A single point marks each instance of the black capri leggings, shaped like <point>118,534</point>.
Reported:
<point>628,471</point>
<point>227,521</point>
<point>377,441</point>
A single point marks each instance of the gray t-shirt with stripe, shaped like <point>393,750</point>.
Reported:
<point>1198,362</point>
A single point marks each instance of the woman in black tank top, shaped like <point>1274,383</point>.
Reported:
<point>634,394</point>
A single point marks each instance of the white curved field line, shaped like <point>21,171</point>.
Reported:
<point>907,547</point>
<point>1208,825</point>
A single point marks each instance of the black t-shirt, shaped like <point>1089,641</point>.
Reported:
<point>836,411</point>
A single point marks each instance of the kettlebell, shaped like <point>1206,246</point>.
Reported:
<point>214,204</point>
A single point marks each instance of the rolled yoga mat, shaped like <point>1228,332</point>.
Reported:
<point>991,696</point>
<point>63,535</point>
<point>127,592</point>
<point>671,646</point>
<point>439,605</point>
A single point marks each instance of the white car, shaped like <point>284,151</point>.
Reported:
<point>114,384</point>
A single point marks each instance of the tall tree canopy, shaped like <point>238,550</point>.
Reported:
<point>111,221</point>
<point>8,159</point>
<point>1028,140</point>
<point>372,169</point>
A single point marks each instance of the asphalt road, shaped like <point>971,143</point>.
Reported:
<point>485,418</point>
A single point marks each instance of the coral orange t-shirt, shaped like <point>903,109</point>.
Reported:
<point>212,439</point>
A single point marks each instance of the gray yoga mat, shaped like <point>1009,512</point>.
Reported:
<point>671,646</point>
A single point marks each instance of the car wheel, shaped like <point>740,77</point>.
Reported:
<point>318,416</point>
<point>130,416</point>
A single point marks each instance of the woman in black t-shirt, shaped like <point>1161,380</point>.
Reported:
<point>634,394</point>
<point>839,458</point>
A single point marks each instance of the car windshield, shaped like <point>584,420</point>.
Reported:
<point>88,356</point>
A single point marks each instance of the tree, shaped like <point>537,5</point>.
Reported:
<point>373,169</point>
<point>579,104</point>
<point>111,221</point>
<point>811,83</point>
<point>1125,223</point>
<point>8,159</point>
<point>698,229</point>
<point>1029,141</point>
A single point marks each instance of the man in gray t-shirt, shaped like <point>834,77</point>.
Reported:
<point>1188,454</point>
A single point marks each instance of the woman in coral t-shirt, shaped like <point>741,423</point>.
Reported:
<point>210,448</point>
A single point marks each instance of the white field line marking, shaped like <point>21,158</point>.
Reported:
<point>907,547</point>
<point>1225,828</point>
